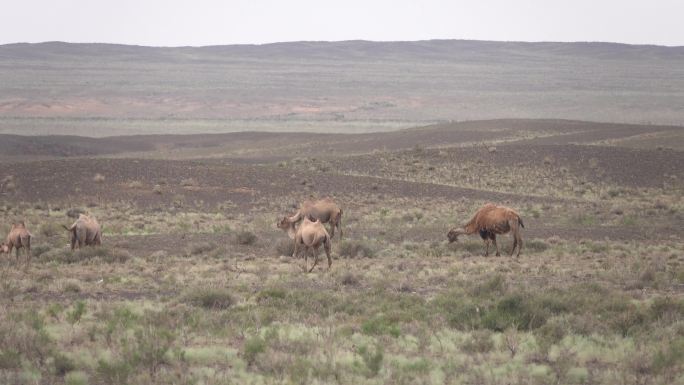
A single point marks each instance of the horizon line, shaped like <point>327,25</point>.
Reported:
<point>348,41</point>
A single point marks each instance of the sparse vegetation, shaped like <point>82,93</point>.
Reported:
<point>189,286</point>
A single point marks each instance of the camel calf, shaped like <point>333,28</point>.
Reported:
<point>17,238</point>
<point>489,221</point>
<point>309,235</point>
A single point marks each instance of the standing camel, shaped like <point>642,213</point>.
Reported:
<point>489,221</point>
<point>85,231</point>
<point>309,235</point>
<point>18,237</point>
<point>324,210</point>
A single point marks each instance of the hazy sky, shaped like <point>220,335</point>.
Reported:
<point>209,22</point>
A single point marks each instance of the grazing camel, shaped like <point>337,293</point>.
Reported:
<point>489,221</point>
<point>85,231</point>
<point>309,235</point>
<point>17,238</point>
<point>324,210</point>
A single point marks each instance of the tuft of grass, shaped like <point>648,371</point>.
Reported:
<point>354,249</point>
<point>62,364</point>
<point>105,253</point>
<point>245,238</point>
<point>252,348</point>
<point>284,247</point>
<point>209,298</point>
<point>201,248</point>
<point>372,359</point>
<point>135,184</point>
<point>51,229</point>
<point>535,246</point>
<point>349,279</point>
<point>76,378</point>
<point>189,182</point>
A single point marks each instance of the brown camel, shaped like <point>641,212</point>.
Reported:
<point>17,238</point>
<point>489,221</point>
<point>85,231</point>
<point>309,235</point>
<point>324,210</point>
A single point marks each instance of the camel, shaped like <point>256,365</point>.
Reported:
<point>325,210</point>
<point>489,221</point>
<point>310,235</point>
<point>85,231</point>
<point>18,237</point>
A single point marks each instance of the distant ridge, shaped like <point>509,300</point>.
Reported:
<point>319,84</point>
<point>371,48</point>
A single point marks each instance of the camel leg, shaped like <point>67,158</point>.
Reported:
<point>315,255</point>
<point>296,248</point>
<point>518,238</point>
<point>327,252</point>
<point>332,229</point>
<point>515,232</point>
<point>486,242</point>
<point>496,245</point>
<point>27,242</point>
<point>306,259</point>
<point>28,254</point>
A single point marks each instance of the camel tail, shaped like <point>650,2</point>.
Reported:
<point>521,222</point>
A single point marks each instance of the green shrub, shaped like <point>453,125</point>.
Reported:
<point>480,341</point>
<point>10,359</point>
<point>62,364</point>
<point>670,358</point>
<point>76,378</point>
<point>381,324</point>
<point>201,248</point>
<point>51,229</point>
<point>515,310</point>
<point>349,279</point>
<point>38,250</point>
<point>496,285</point>
<point>270,294</point>
<point>355,249</point>
<point>107,254</point>
<point>74,316</point>
<point>535,246</point>
<point>284,247</point>
<point>114,372</point>
<point>152,342</point>
<point>666,309</point>
<point>252,348</point>
<point>372,359</point>
<point>209,298</point>
<point>245,238</point>
<point>23,338</point>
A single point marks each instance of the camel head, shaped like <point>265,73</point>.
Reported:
<point>454,233</point>
<point>4,248</point>
<point>288,226</point>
